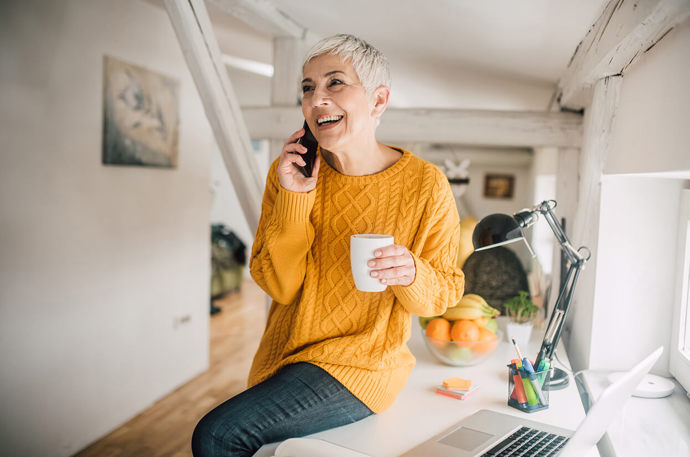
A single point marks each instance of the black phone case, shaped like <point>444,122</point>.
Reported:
<point>308,141</point>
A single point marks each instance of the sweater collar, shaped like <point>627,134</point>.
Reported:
<point>332,173</point>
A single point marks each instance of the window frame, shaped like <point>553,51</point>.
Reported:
<point>679,353</point>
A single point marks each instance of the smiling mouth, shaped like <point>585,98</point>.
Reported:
<point>328,120</point>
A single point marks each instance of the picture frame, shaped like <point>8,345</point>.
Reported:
<point>140,116</point>
<point>499,185</point>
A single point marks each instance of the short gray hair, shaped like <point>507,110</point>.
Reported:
<point>369,63</point>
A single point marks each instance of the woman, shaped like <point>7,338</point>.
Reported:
<point>330,354</point>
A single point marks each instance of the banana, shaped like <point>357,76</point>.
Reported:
<point>470,306</point>
<point>474,298</point>
<point>475,301</point>
<point>463,312</point>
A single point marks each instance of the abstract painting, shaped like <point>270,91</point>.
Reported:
<point>140,116</point>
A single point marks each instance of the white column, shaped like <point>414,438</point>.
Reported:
<point>598,126</point>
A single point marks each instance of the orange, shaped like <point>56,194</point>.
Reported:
<point>487,341</point>
<point>464,330</point>
<point>438,328</point>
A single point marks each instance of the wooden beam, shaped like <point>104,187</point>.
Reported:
<point>285,85</point>
<point>623,32</point>
<point>287,64</point>
<point>520,158</point>
<point>200,48</point>
<point>598,131</point>
<point>263,16</point>
<point>470,127</point>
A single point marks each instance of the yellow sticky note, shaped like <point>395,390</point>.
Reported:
<point>457,384</point>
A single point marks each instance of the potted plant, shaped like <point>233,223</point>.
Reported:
<point>521,313</point>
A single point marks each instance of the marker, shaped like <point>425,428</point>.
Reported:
<point>518,389</point>
<point>542,370</point>
<point>527,366</point>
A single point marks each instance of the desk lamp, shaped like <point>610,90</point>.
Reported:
<point>499,229</point>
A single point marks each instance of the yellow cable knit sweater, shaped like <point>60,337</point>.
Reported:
<point>301,258</point>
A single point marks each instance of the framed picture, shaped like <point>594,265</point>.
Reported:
<point>140,116</point>
<point>499,186</point>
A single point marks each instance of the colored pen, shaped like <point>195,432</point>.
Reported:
<point>518,389</point>
<point>527,367</point>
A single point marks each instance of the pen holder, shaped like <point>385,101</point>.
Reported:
<point>526,391</point>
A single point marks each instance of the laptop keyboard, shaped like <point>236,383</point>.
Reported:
<point>528,442</point>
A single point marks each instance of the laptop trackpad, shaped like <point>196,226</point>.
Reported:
<point>466,438</point>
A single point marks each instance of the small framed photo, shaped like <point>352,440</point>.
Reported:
<point>499,186</point>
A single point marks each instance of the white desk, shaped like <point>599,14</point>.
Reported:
<point>419,413</point>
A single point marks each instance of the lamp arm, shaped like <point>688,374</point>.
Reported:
<point>560,312</point>
<point>546,209</point>
<point>576,263</point>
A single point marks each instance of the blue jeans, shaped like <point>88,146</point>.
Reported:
<point>298,400</point>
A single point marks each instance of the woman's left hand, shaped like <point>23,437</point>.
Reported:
<point>393,265</point>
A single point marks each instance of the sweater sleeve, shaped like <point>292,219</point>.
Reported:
<point>438,282</point>
<point>283,239</point>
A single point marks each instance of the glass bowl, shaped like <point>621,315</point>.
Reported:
<point>461,353</point>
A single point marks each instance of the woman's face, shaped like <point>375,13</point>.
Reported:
<point>335,104</point>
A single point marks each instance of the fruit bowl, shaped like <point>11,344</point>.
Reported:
<point>461,353</point>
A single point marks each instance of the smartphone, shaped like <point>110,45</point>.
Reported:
<point>308,141</point>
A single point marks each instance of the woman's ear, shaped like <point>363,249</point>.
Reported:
<point>380,101</point>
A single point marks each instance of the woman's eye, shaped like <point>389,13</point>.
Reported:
<point>306,89</point>
<point>335,82</point>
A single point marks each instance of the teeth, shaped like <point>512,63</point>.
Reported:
<point>323,120</point>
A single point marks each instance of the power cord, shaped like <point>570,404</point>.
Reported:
<point>581,387</point>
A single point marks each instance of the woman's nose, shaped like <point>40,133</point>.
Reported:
<point>319,97</point>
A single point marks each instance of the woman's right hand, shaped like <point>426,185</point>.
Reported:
<point>289,176</point>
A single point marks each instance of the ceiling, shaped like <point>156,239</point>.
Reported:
<point>488,54</point>
<point>529,39</point>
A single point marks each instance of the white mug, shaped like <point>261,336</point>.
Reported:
<point>362,247</point>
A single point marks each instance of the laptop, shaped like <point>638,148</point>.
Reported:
<point>493,434</point>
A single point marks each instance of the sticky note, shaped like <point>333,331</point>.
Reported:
<point>457,384</point>
<point>460,395</point>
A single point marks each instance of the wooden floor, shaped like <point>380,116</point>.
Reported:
<point>165,429</point>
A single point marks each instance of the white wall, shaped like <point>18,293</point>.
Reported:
<point>226,207</point>
<point>634,270</point>
<point>517,162</point>
<point>651,132</point>
<point>423,84</point>
<point>544,184</point>
<point>96,262</point>
<point>635,280</point>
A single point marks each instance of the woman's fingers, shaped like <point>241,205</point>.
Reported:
<point>292,152</point>
<point>294,149</point>
<point>295,136</point>
<point>401,281</point>
<point>388,262</point>
<point>393,249</point>
<point>393,265</point>
<point>393,272</point>
<point>290,177</point>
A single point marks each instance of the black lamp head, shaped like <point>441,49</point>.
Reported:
<point>495,230</point>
